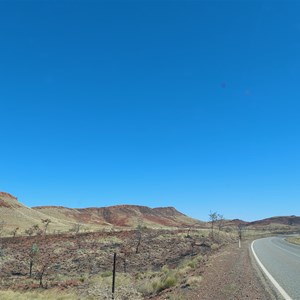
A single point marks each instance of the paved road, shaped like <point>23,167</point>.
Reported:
<point>282,261</point>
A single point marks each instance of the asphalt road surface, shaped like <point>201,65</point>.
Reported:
<point>282,261</point>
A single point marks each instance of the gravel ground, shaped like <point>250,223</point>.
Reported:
<point>230,274</point>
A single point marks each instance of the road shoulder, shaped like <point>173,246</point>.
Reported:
<point>264,280</point>
<point>230,273</point>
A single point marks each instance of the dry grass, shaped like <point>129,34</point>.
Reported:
<point>82,264</point>
<point>294,240</point>
<point>24,217</point>
<point>155,282</point>
<point>43,295</point>
<point>194,280</point>
<point>152,283</point>
<point>99,287</point>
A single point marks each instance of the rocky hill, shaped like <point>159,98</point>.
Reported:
<point>14,215</point>
<point>273,224</point>
<point>121,215</point>
<point>282,220</point>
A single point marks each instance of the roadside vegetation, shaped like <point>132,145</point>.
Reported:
<point>294,240</point>
<point>79,265</point>
<point>151,263</point>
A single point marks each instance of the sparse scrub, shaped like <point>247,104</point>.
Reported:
<point>184,270</point>
<point>194,280</point>
<point>14,231</point>
<point>214,247</point>
<point>158,266</point>
<point>2,226</point>
<point>294,240</point>
<point>157,282</point>
<point>100,288</point>
<point>189,264</point>
<point>47,295</point>
<point>177,296</point>
<point>168,281</point>
<point>32,256</point>
<point>106,274</point>
<point>147,285</point>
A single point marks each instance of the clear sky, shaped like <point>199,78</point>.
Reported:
<point>191,104</point>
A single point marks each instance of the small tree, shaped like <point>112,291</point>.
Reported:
<point>44,261</point>
<point>76,228</point>
<point>41,273</point>
<point>46,223</point>
<point>139,229</point>
<point>213,217</point>
<point>32,255</point>
<point>139,239</point>
<point>14,231</point>
<point>220,222</point>
<point>29,231</point>
<point>189,230</point>
<point>125,251</point>
<point>36,229</point>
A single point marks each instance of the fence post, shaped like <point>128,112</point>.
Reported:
<point>114,277</point>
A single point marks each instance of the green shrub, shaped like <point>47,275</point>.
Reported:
<point>214,247</point>
<point>167,281</point>
<point>192,264</point>
<point>170,281</point>
<point>106,274</point>
<point>194,280</point>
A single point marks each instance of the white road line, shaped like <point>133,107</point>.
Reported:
<point>275,283</point>
<point>286,250</point>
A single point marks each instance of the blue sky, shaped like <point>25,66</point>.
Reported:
<point>192,104</point>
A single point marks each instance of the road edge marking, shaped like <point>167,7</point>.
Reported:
<point>283,293</point>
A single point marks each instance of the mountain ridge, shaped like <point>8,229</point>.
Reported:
<point>124,215</point>
<point>16,215</point>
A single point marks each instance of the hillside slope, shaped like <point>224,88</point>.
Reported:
<point>273,221</point>
<point>121,215</point>
<point>14,214</point>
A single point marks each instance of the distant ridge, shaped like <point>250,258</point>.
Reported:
<point>284,220</point>
<point>122,215</point>
<point>16,215</point>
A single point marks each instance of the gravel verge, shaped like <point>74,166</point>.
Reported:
<point>229,274</point>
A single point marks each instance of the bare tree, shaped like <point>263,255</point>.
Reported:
<point>139,229</point>
<point>14,231</point>
<point>44,262</point>
<point>46,223</point>
<point>41,273</point>
<point>189,230</point>
<point>220,222</point>
<point>139,239</point>
<point>35,229</point>
<point>125,251</point>
<point>29,231</point>
<point>76,228</point>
